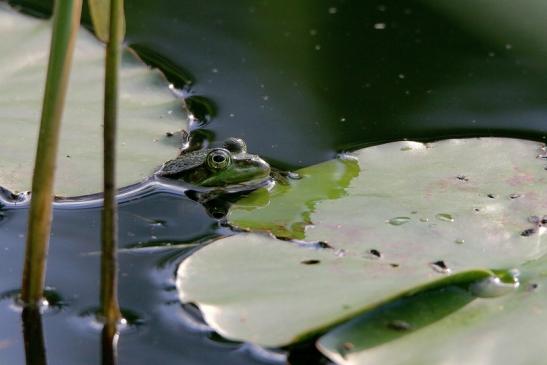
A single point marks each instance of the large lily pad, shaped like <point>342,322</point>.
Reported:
<point>415,213</point>
<point>148,110</point>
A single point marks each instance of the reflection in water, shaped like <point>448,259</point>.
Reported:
<point>158,228</point>
<point>109,342</point>
<point>35,352</point>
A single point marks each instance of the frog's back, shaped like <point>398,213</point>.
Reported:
<point>183,163</point>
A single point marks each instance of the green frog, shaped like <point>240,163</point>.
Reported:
<point>220,167</point>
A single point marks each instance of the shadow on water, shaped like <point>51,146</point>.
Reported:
<point>33,336</point>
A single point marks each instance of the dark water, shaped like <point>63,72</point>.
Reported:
<point>299,81</point>
<point>166,332</point>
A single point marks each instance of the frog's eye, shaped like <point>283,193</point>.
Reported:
<point>219,159</point>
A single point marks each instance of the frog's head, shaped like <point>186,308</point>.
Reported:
<point>224,166</point>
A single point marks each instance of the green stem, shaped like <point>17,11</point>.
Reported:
<point>109,300</point>
<point>66,21</point>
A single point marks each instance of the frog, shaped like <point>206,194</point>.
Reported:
<point>226,167</point>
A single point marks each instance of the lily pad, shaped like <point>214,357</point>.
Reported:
<point>148,110</point>
<point>413,215</point>
<point>443,328</point>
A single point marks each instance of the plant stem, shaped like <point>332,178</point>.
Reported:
<point>109,300</point>
<point>66,21</point>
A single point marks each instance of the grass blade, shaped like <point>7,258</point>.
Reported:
<point>66,21</point>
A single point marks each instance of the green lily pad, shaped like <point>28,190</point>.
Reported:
<point>448,326</point>
<point>148,110</point>
<point>414,214</point>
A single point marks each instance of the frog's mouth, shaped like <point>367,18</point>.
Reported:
<point>247,172</point>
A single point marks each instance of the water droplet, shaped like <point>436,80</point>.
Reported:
<point>380,26</point>
<point>333,10</point>
<point>514,196</point>
<point>445,217</point>
<point>401,76</point>
<point>440,266</point>
<point>313,32</point>
<point>492,287</point>
<point>340,252</point>
<point>508,46</point>
<point>459,241</point>
<point>342,119</point>
<point>492,196</point>
<point>399,325</point>
<point>310,262</point>
<point>397,221</point>
<point>317,47</point>
<point>394,265</point>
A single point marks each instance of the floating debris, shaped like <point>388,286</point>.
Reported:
<point>492,196</point>
<point>440,266</point>
<point>528,232</point>
<point>375,253</point>
<point>514,196</point>
<point>310,262</point>
<point>324,244</point>
<point>462,178</point>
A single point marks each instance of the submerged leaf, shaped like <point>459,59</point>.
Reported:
<point>451,225</point>
<point>285,211</point>
<point>147,111</point>
<point>505,330</point>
